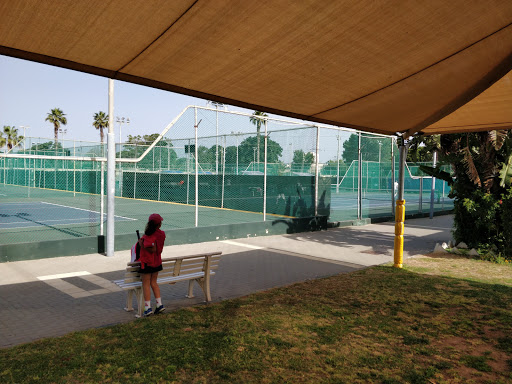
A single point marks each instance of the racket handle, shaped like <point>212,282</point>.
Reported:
<point>138,234</point>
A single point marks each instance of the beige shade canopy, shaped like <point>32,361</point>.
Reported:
<point>434,66</point>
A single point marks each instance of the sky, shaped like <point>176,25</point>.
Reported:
<point>28,91</point>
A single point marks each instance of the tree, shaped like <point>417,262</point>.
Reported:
<point>480,187</point>
<point>11,138</point>
<point>100,122</point>
<point>161,156</point>
<point>48,148</point>
<point>3,140</point>
<point>248,148</point>
<point>257,118</point>
<point>422,148</point>
<point>371,150</point>
<point>302,160</point>
<point>56,117</point>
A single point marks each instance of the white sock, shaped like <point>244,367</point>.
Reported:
<point>147,305</point>
<point>158,301</point>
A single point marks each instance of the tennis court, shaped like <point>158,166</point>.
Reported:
<point>37,214</point>
<point>61,215</point>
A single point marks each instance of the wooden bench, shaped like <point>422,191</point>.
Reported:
<point>198,268</point>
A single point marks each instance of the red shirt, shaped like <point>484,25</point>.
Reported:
<point>153,259</point>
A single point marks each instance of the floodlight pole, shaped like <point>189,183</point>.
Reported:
<point>400,207</point>
<point>111,169</point>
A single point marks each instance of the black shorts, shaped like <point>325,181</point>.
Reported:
<point>148,269</point>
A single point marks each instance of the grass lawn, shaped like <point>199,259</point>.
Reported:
<point>439,320</point>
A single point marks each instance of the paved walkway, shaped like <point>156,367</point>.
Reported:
<point>53,297</point>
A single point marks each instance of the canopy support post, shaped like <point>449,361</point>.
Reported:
<point>400,207</point>
<point>111,171</point>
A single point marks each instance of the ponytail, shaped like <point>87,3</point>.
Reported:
<point>151,228</point>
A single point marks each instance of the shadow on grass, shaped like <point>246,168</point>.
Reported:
<point>379,324</point>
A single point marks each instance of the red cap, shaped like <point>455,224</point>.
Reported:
<point>156,218</point>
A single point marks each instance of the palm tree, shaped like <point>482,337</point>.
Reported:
<point>11,137</point>
<point>257,120</point>
<point>100,122</point>
<point>3,141</point>
<point>56,117</point>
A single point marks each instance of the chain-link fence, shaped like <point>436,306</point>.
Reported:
<point>209,167</point>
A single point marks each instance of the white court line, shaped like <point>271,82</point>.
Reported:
<point>241,244</point>
<point>64,275</point>
<point>86,210</point>
<point>40,223</point>
<point>14,203</point>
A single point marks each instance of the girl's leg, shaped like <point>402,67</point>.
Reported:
<point>146,291</point>
<point>156,291</point>
<point>146,285</point>
<point>154,285</point>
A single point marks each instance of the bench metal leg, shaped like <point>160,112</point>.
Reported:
<point>129,301</point>
<point>190,294</point>
<point>140,301</point>
<point>204,283</point>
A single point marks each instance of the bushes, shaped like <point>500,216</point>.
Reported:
<point>484,221</point>
<point>506,220</point>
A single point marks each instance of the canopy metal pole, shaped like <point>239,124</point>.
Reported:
<point>400,208</point>
<point>111,170</point>
<point>359,179</point>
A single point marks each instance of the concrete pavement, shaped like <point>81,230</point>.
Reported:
<point>52,297</point>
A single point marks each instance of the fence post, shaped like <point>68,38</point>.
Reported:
<point>102,186</point>
<point>74,168</point>
<point>159,184</point>
<point>223,172</point>
<point>197,169</point>
<point>433,189</point>
<point>338,165</point>
<point>392,175</point>
<point>188,171</point>
<point>420,203</point>
<point>359,179</point>
<point>317,162</point>
<point>265,175</point>
<point>135,172</point>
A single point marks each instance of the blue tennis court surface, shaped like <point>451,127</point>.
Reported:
<point>34,214</point>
